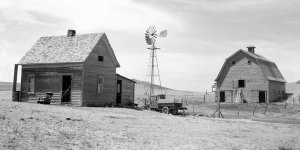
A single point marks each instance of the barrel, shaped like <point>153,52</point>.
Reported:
<point>15,96</point>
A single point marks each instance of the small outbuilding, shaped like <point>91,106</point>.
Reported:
<point>248,76</point>
<point>78,69</point>
<point>125,91</point>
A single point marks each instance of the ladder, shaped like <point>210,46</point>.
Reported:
<point>239,96</point>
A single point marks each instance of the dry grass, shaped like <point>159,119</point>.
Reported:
<point>33,126</point>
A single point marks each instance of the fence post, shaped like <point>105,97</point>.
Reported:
<point>193,109</point>
<point>285,104</point>
<point>265,109</point>
<point>238,109</point>
<point>219,110</point>
<point>293,101</point>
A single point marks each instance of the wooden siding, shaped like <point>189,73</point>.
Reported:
<point>48,78</point>
<point>128,86</point>
<point>276,90</point>
<point>92,69</point>
<point>241,70</point>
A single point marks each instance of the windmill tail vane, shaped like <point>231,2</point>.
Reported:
<point>163,33</point>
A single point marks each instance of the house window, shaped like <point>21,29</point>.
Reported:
<point>31,84</point>
<point>241,83</point>
<point>249,62</point>
<point>100,58</point>
<point>233,62</point>
<point>100,82</point>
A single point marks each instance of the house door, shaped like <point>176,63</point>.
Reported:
<point>262,96</point>
<point>66,89</point>
<point>119,91</point>
<point>222,96</point>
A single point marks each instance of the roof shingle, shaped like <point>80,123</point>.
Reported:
<point>61,49</point>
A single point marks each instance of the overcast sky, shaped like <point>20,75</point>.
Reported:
<point>201,33</point>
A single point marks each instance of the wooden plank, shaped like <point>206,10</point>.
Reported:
<point>15,78</point>
<point>93,68</point>
<point>50,80</point>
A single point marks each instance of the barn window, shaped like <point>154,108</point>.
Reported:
<point>249,62</point>
<point>100,58</point>
<point>241,83</point>
<point>118,88</point>
<point>233,62</point>
<point>31,84</point>
<point>100,82</point>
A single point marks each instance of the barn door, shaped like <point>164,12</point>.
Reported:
<point>66,89</point>
<point>222,96</point>
<point>262,96</point>
<point>119,92</point>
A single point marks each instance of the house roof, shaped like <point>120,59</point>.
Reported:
<point>256,56</point>
<point>269,68</point>
<point>64,49</point>
<point>118,75</point>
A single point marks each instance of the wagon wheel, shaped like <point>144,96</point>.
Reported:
<point>174,111</point>
<point>165,110</point>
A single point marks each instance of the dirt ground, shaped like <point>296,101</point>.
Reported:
<point>32,126</point>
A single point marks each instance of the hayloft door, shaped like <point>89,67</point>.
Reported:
<point>119,91</point>
<point>66,89</point>
<point>262,96</point>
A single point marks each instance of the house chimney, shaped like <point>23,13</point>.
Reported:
<point>251,49</point>
<point>71,33</point>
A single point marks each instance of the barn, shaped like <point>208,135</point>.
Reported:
<point>79,70</point>
<point>248,76</point>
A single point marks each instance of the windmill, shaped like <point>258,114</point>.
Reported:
<point>150,37</point>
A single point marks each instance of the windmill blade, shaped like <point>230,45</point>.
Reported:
<point>151,35</point>
<point>148,40</point>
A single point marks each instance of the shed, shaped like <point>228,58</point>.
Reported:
<point>125,91</point>
<point>78,69</point>
<point>247,75</point>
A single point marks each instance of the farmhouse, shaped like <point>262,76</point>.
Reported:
<point>78,69</point>
<point>247,75</point>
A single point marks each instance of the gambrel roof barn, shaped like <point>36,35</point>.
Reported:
<point>253,76</point>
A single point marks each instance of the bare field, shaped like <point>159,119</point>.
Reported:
<point>275,112</point>
<point>33,126</point>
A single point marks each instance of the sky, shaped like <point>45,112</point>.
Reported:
<point>201,34</point>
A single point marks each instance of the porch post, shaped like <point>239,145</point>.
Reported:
<point>15,78</point>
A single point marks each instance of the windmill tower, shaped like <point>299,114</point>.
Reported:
<point>153,70</point>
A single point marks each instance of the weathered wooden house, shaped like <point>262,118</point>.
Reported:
<point>78,69</point>
<point>250,76</point>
